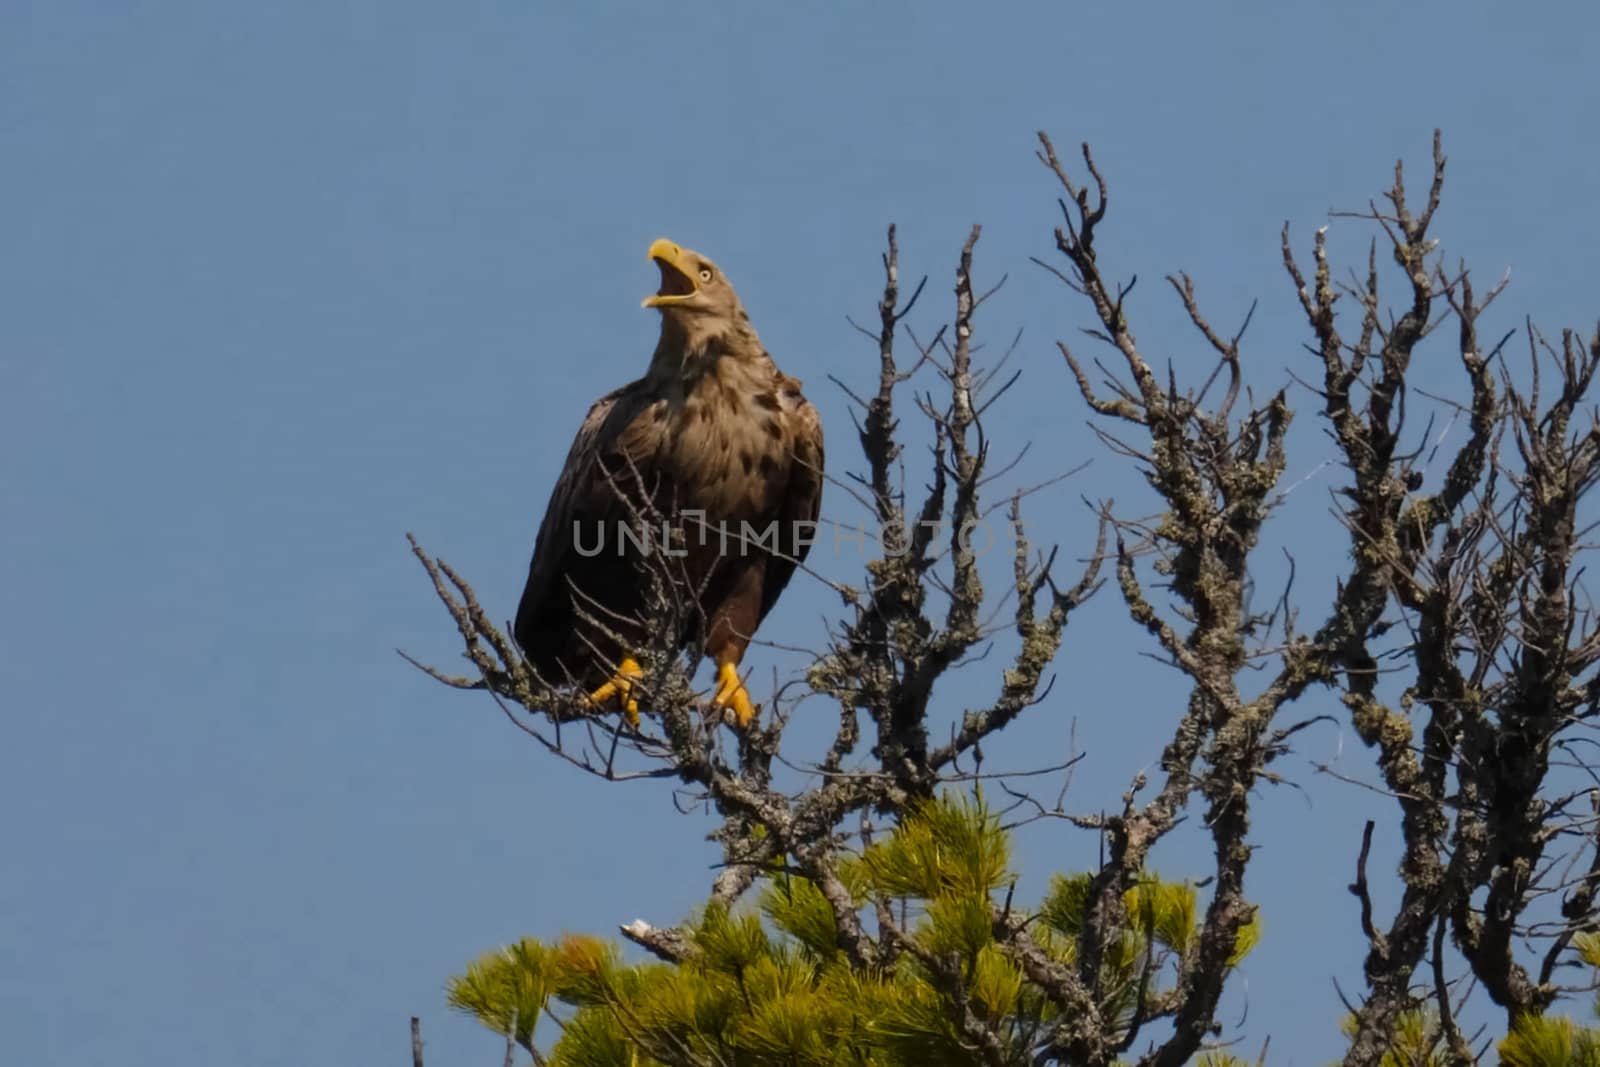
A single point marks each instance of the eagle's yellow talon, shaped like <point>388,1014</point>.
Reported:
<point>621,688</point>
<point>731,693</point>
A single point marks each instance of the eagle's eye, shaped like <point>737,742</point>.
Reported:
<point>705,274</point>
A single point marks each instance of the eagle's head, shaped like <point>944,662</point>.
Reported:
<point>700,312</point>
<point>693,290</point>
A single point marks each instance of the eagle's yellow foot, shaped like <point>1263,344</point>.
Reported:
<point>731,694</point>
<point>620,689</point>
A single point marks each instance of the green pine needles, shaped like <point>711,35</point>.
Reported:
<point>773,985</point>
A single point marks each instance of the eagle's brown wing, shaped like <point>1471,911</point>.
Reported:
<point>621,436</point>
<point>801,503</point>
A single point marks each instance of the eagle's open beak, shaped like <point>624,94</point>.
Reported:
<point>677,276</point>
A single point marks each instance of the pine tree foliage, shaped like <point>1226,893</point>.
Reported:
<point>770,985</point>
<point>1550,1041</point>
<point>1555,1040</point>
<point>508,989</point>
<point>1421,1040</point>
<point>1418,1040</point>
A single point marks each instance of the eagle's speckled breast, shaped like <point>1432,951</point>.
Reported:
<point>729,441</point>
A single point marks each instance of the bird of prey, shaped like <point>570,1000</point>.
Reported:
<point>713,433</point>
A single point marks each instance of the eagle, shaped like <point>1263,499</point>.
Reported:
<point>713,434</point>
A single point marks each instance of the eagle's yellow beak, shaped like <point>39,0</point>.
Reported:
<point>677,274</point>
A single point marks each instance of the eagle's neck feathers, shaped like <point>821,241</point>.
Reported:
<point>722,437</point>
<point>690,347</point>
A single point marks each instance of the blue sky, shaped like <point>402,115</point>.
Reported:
<point>282,282</point>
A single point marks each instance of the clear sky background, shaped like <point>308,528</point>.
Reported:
<point>281,282</point>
